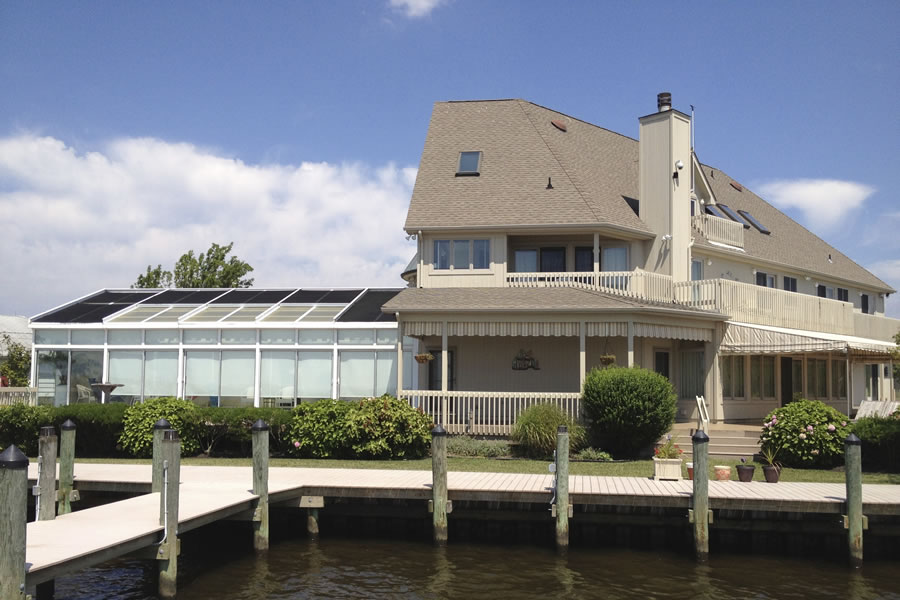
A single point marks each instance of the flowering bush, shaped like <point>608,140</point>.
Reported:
<point>668,449</point>
<point>806,433</point>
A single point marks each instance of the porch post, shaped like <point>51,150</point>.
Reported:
<point>399,355</point>
<point>596,258</point>
<point>582,358</point>
<point>630,344</point>
<point>445,413</point>
<point>849,387</point>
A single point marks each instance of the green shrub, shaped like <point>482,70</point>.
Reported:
<point>20,424</point>
<point>880,442</point>
<point>98,427</point>
<point>593,454</point>
<point>320,429</point>
<point>535,431</point>
<point>226,431</point>
<point>629,408</point>
<point>806,433</point>
<point>137,435</point>
<point>386,427</point>
<point>464,445</point>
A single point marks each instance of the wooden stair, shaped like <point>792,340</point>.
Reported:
<point>725,441</point>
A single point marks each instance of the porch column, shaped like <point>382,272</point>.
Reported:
<point>849,386</point>
<point>596,258</point>
<point>582,358</point>
<point>399,355</point>
<point>444,363</point>
<point>713,385</point>
<point>630,344</point>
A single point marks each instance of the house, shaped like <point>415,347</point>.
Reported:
<point>548,245</point>
<point>219,347</point>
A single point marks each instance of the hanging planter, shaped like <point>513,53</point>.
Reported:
<point>607,359</point>
<point>424,358</point>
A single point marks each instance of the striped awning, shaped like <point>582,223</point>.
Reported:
<point>549,329</point>
<point>746,338</point>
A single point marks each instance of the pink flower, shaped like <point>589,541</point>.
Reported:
<point>843,423</point>
<point>774,420</point>
<point>831,428</point>
<point>809,427</point>
<point>814,451</point>
<point>802,436</point>
<point>296,444</point>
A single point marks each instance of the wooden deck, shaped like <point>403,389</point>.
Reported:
<point>91,536</point>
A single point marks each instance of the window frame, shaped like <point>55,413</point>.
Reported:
<point>469,173</point>
<point>789,284</point>
<point>451,255</point>
<point>770,280</point>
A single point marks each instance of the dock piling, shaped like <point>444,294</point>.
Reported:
<point>700,512</point>
<point>13,517</point>
<point>66,467</point>
<point>562,487</point>
<point>46,485</point>
<point>260,431</point>
<point>439,483</point>
<point>854,520</point>
<point>167,554</point>
<point>158,428</point>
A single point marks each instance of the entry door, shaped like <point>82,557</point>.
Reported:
<point>787,379</point>
<point>434,371</point>
<point>871,382</point>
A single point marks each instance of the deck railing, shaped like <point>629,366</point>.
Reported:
<point>18,395</point>
<point>632,284</point>
<point>719,230</point>
<point>486,413</point>
<point>876,327</point>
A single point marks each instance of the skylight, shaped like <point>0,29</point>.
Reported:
<point>752,220</point>
<point>734,217</point>
<point>469,163</point>
<point>713,210</point>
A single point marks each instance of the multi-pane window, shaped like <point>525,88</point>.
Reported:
<point>762,377</point>
<point>764,279</point>
<point>696,270</point>
<point>824,291</point>
<point>843,295</point>
<point>584,259</point>
<point>864,303</point>
<point>462,254</point>
<point>733,376</point>
<point>790,283</point>
<point>614,258</point>
<point>838,379</point>
<point>816,378</point>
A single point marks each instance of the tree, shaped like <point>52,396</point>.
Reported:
<point>17,368</point>
<point>215,269</point>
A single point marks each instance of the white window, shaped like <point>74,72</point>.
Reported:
<point>125,368</point>
<point>160,374</point>
<point>87,337</point>
<point>614,258</point>
<point>765,279</point>
<point>696,270</point>
<point>469,163</point>
<point>462,254</point>
<point>238,372</point>
<point>481,254</point>
<point>314,375</point>
<point>124,337</point>
<point>238,336</point>
<point>277,374</point>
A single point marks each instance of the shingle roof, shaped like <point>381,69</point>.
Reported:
<point>524,300</point>
<point>592,170</point>
<point>789,242</point>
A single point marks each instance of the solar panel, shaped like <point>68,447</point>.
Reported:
<point>128,297</point>
<point>253,297</point>
<point>340,296</point>
<point>752,220</point>
<point>714,211</point>
<point>305,296</point>
<point>368,308</point>
<point>187,296</point>
<point>732,215</point>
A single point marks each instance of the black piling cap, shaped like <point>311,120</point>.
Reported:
<point>852,440</point>
<point>48,431</point>
<point>170,435</point>
<point>260,425</point>
<point>438,431</point>
<point>162,424</point>
<point>700,437</point>
<point>69,425</point>
<point>562,429</point>
<point>12,458</point>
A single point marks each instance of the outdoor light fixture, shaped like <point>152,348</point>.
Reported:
<point>708,262</point>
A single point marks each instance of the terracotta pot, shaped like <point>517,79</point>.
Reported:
<point>772,474</point>
<point>690,468</point>
<point>723,472</point>
<point>745,472</point>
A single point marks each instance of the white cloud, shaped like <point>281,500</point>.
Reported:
<point>889,272</point>
<point>71,222</point>
<point>824,202</point>
<point>414,9</point>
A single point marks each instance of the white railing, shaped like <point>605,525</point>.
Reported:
<point>876,327</point>
<point>702,414</point>
<point>486,413</point>
<point>632,284</point>
<point>719,230</point>
<point>18,395</point>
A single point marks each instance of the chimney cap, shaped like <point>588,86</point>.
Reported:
<point>664,101</point>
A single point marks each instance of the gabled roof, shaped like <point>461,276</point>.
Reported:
<point>592,170</point>
<point>789,243</point>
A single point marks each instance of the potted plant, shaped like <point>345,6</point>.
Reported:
<point>772,469</point>
<point>607,360</point>
<point>424,358</point>
<point>667,460</point>
<point>723,472</point>
<point>745,471</point>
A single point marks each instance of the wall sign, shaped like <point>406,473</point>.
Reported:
<point>525,360</point>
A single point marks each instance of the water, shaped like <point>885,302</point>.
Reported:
<point>365,568</point>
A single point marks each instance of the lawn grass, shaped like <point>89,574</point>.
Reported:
<point>636,468</point>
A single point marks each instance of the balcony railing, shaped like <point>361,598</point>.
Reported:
<point>486,413</point>
<point>719,230</point>
<point>18,395</point>
<point>632,284</point>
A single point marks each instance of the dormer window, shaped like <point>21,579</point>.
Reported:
<point>469,164</point>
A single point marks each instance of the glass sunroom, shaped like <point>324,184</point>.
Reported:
<point>224,347</point>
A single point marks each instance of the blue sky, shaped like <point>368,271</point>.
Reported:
<point>132,132</point>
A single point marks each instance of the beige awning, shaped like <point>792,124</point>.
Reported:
<point>673,332</point>
<point>746,338</point>
<point>544,329</point>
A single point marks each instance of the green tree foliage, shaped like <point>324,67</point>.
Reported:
<point>806,433</point>
<point>629,408</point>
<point>20,424</point>
<point>214,269</point>
<point>182,415</point>
<point>535,431</point>
<point>895,355</point>
<point>17,368</point>
<point>880,442</point>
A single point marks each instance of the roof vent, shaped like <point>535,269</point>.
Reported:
<point>737,186</point>
<point>559,125</point>
<point>664,101</point>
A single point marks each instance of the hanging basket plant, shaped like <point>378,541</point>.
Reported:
<point>424,358</point>
<point>607,359</point>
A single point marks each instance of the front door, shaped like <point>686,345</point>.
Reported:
<point>434,371</point>
<point>787,379</point>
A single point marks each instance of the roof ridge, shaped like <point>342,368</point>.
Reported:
<point>574,180</point>
<point>594,125</point>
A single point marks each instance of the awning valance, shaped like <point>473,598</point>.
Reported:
<point>746,338</point>
<point>543,329</point>
<point>673,332</point>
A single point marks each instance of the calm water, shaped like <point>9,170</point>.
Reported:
<point>343,568</point>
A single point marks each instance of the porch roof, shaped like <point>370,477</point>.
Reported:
<point>518,300</point>
<point>746,338</point>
